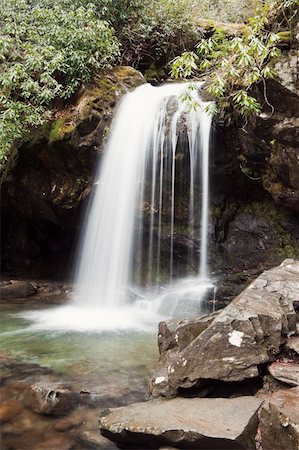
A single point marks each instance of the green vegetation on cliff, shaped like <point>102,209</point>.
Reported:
<point>236,63</point>
<point>46,53</point>
<point>49,48</point>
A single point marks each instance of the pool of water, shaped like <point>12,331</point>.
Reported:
<point>124,359</point>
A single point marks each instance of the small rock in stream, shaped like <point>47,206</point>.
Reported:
<point>50,399</point>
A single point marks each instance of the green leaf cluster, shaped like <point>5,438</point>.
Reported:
<point>235,63</point>
<point>46,52</point>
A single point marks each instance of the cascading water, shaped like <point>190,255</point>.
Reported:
<point>136,175</point>
<point>129,274</point>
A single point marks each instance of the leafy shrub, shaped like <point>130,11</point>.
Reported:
<point>46,53</point>
<point>236,63</point>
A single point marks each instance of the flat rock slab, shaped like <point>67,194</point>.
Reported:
<point>287,372</point>
<point>199,423</point>
<point>279,421</point>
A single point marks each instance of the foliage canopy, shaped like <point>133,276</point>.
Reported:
<point>48,48</point>
<point>236,63</point>
<point>46,52</point>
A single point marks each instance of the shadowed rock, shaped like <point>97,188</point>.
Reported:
<point>187,423</point>
<point>279,421</point>
<point>293,343</point>
<point>235,342</point>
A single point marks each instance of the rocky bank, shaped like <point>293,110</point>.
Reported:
<point>234,376</point>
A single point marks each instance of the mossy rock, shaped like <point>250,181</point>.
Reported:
<point>93,102</point>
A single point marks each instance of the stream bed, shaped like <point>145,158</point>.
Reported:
<point>98,370</point>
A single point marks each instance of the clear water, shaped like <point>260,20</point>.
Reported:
<point>108,361</point>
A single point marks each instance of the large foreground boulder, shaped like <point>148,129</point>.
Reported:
<point>238,340</point>
<point>199,423</point>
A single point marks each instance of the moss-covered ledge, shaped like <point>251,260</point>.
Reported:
<point>93,103</point>
<point>42,195</point>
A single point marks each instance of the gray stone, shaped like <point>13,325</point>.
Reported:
<point>50,399</point>
<point>287,372</point>
<point>247,333</point>
<point>217,423</point>
<point>16,289</point>
<point>279,421</point>
<point>176,333</point>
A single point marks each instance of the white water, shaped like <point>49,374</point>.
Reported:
<point>141,131</point>
<point>128,217</point>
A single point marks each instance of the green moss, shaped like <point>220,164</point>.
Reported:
<point>61,128</point>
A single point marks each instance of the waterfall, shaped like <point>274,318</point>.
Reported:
<point>129,235</point>
<point>151,189</point>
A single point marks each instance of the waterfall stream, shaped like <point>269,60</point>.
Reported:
<point>152,182</point>
<point>135,190</point>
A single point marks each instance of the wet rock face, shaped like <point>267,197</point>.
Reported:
<point>186,423</point>
<point>234,343</point>
<point>42,197</point>
<point>45,197</point>
<point>269,145</point>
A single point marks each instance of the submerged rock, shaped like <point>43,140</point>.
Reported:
<point>56,442</point>
<point>279,421</point>
<point>9,410</point>
<point>187,423</point>
<point>50,399</point>
<point>235,342</point>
